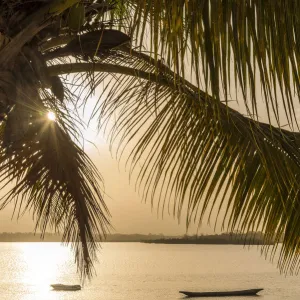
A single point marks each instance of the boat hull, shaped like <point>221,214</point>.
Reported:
<point>251,292</point>
<point>64,287</point>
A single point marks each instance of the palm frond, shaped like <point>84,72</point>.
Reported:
<point>194,149</point>
<point>231,44</point>
<point>187,156</point>
<point>53,177</point>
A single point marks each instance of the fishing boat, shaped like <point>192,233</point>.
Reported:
<point>65,287</point>
<point>251,292</point>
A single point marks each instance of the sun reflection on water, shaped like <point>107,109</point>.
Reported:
<point>45,264</point>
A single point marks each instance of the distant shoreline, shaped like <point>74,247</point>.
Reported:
<point>204,242</point>
<point>251,238</point>
<point>217,239</point>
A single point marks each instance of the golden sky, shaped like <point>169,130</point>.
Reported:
<point>129,213</point>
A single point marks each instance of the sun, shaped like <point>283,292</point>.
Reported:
<point>51,116</point>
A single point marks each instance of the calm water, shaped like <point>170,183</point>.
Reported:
<point>140,271</point>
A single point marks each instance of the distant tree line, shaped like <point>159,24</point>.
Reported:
<point>256,238</point>
<point>28,237</point>
<point>51,237</point>
<point>236,238</point>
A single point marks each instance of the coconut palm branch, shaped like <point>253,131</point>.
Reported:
<point>53,177</point>
<point>187,158</point>
<point>231,44</point>
<point>193,148</point>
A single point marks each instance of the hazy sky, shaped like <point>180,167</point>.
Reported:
<point>129,213</point>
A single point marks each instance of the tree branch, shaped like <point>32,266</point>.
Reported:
<point>62,40</point>
<point>161,67</point>
<point>185,87</point>
<point>103,67</point>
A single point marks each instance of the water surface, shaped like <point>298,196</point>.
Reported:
<point>129,271</point>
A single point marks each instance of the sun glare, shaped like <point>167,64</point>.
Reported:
<point>51,116</point>
<point>43,264</point>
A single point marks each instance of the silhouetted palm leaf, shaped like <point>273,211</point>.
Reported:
<point>192,148</point>
<point>188,157</point>
<point>230,44</point>
<point>53,177</point>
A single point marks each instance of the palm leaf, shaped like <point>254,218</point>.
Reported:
<point>231,44</point>
<point>189,152</point>
<point>53,177</point>
<point>193,148</point>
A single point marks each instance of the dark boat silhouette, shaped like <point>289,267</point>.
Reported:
<point>251,292</point>
<point>65,287</point>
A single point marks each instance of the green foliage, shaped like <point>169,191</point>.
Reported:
<point>186,158</point>
<point>59,6</point>
<point>76,17</point>
<point>240,42</point>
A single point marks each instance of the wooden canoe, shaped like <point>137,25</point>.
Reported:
<point>65,287</point>
<point>251,292</point>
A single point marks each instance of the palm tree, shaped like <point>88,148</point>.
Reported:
<point>192,146</point>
